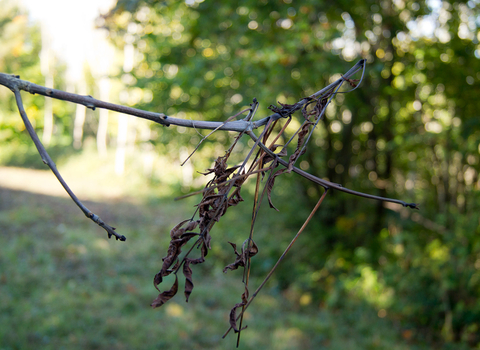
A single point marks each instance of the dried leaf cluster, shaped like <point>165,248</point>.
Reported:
<point>215,202</point>
<point>223,192</point>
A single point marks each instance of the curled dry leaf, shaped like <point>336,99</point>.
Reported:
<point>213,205</point>
<point>220,169</point>
<point>166,296</point>
<point>320,103</point>
<point>187,272</point>
<point>298,151</point>
<point>238,261</point>
<point>241,260</point>
<point>178,230</point>
<point>269,185</point>
<point>233,312</point>
<point>240,180</point>
<point>235,198</point>
<point>179,238</point>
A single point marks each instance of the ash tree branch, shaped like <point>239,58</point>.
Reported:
<point>48,161</point>
<point>327,184</point>
<point>14,82</point>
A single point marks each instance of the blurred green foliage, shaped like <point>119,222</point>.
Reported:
<point>20,42</point>
<point>411,131</point>
<point>20,47</point>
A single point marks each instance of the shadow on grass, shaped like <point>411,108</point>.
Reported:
<point>63,284</point>
<point>28,156</point>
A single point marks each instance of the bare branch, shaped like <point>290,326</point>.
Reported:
<point>325,183</point>
<point>205,137</point>
<point>14,82</point>
<point>246,305</point>
<point>48,161</point>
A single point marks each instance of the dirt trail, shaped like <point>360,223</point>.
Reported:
<point>44,182</point>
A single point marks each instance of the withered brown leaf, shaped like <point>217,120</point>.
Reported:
<point>174,250</point>
<point>270,183</point>
<point>291,161</point>
<point>166,296</point>
<point>233,312</point>
<point>242,257</point>
<point>213,205</point>
<point>178,231</point>
<point>187,272</point>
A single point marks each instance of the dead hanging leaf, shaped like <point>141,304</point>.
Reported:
<point>187,272</point>
<point>214,204</point>
<point>233,312</point>
<point>174,250</point>
<point>319,104</point>
<point>206,243</point>
<point>235,198</point>
<point>253,250</point>
<point>271,183</point>
<point>178,231</point>
<point>220,168</point>
<point>242,257</point>
<point>166,296</point>
<point>240,180</point>
<point>210,204</point>
<point>224,176</point>
<point>159,276</point>
<point>238,261</point>
<point>298,151</point>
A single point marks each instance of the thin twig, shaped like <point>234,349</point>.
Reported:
<point>246,269</point>
<point>328,184</point>
<point>250,300</point>
<point>210,133</point>
<point>48,161</point>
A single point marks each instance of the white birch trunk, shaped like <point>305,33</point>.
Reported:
<point>104,86</point>
<point>79,118</point>
<point>45,67</point>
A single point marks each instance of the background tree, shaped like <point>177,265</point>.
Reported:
<point>21,49</point>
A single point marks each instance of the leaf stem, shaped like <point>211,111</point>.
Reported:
<point>250,300</point>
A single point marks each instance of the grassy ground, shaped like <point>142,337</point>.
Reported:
<point>64,285</point>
